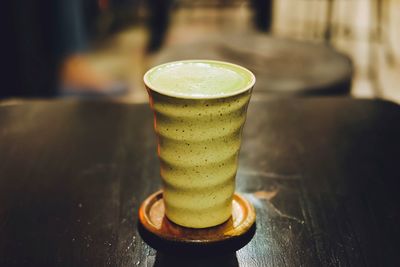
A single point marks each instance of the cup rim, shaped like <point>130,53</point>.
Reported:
<point>171,94</point>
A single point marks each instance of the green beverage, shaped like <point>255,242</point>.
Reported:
<point>199,108</point>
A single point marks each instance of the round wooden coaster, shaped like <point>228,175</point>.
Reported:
<point>154,221</point>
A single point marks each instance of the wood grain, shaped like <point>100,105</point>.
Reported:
<point>322,174</point>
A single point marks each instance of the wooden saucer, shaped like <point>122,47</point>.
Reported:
<point>154,221</point>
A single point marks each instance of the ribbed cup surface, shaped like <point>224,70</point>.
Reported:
<point>198,146</point>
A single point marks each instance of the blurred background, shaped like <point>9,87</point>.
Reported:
<point>102,48</point>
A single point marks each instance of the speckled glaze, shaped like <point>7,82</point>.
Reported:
<point>198,147</point>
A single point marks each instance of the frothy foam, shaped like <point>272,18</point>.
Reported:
<point>199,78</point>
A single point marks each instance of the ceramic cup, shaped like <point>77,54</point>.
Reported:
<point>198,146</point>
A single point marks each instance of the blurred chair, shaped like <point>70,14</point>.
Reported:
<point>262,14</point>
<point>159,17</point>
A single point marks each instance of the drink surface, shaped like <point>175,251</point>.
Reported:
<point>199,79</point>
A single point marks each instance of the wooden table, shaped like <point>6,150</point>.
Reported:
<point>323,174</point>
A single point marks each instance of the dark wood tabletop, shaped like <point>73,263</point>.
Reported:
<point>322,173</point>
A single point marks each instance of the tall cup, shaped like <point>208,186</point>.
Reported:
<point>199,140</point>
